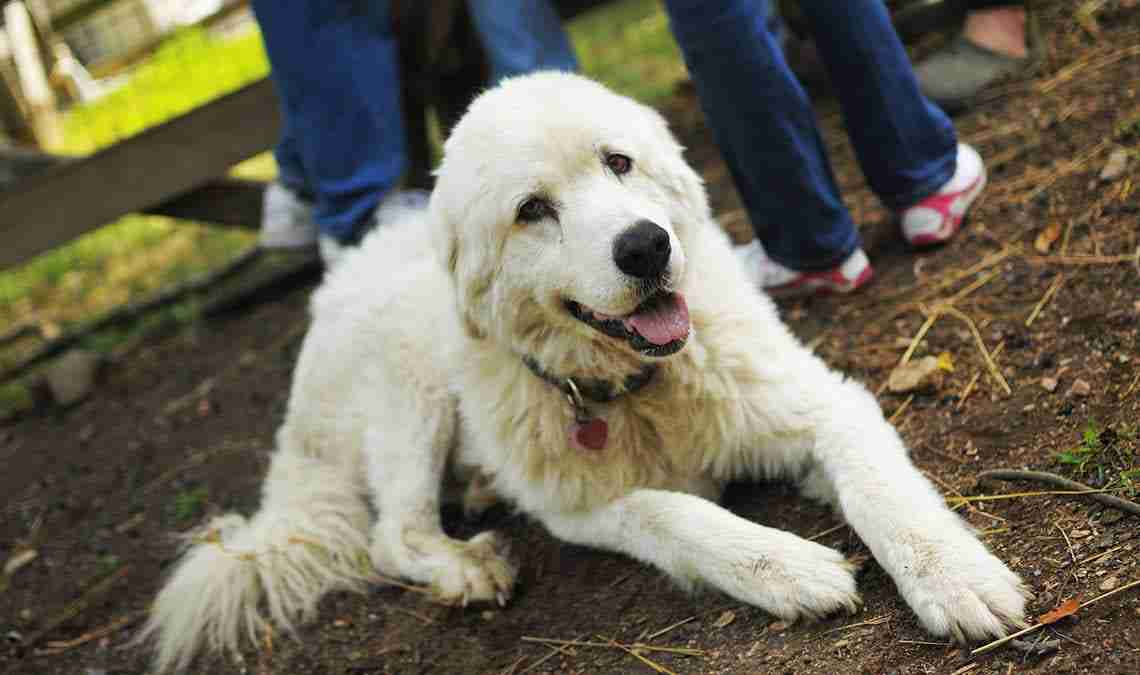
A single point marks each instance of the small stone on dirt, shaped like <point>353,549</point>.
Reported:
<point>72,376</point>
<point>1109,584</point>
<point>1115,166</point>
<point>925,373</point>
<point>18,560</point>
<point>726,617</point>
<point>777,626</point>
<point>1079,388</point>
<point>1049,384</point>
<point>1079,534</point>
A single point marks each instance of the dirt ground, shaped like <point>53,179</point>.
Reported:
<point>182,431</point>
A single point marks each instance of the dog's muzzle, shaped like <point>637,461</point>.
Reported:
<point>659,326</point>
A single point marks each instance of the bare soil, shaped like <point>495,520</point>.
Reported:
<point>100,490</point>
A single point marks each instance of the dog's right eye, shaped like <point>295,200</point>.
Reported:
<point>534,209</point>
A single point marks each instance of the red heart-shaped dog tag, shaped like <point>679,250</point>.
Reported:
<point>590,434</point>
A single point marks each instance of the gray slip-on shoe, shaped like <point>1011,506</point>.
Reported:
<point>955,75</point>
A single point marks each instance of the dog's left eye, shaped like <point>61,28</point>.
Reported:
<point>534,209</point>
<point>619,164</point>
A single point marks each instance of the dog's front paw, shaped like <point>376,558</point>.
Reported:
<point>479,571</point>
<point>958,588</point>
<point>792,578</point>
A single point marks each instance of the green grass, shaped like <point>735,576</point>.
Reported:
<point>625,44</point>
<point>189,504</point>
<point>628,46</point>
<point>1107,457</point>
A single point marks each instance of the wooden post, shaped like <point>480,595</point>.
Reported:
<point>37,94</point>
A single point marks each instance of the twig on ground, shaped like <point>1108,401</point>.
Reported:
<point>666,629</point>
<point>820,535</point>
<point>986,355</point>
<point>869,622</point>
<point>1131,388</point>
<point>555,650</point>
<point>1049,293</point>
<point>640,657</point>
<point>1068,542</point>
<point>84,601</point>
<point>54,647</point>
<point>513,668</point>
<point>1067,73</point>
<point>1079,259</point>
<point>914,341</point>
<point>1061,482</point>
<point>1019,495</point>
<point>130,312</point>
<point>1029,629</point>
<point>901,409</point>
<point>1039,648</point>
<point>969,389</point>
<point>925,642</point>
<point>682,651</point>
<point>964,502</point>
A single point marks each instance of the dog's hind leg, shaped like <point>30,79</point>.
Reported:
<point>407,458</point>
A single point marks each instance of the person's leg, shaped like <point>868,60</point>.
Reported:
<point>335,66</point>
<point>765,127</point>
<point>905,144</point>
<point>997,25</point>
<point>521,36</point>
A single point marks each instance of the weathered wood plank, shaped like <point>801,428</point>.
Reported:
<point>138,173</point>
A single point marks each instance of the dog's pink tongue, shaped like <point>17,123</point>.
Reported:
<point>666,321</point>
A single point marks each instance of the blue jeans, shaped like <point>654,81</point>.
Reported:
<point>763,121</point>
<point>335,66</point>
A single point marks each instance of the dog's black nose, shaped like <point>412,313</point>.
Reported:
<point>643,250</point>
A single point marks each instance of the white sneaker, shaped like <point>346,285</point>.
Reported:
<point>286,219</point>
<point>778,280</point>
<point>937,218</point>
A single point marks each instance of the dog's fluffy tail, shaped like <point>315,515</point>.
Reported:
<point>239,576</point>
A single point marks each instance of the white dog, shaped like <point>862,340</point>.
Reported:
<point>567,320</point>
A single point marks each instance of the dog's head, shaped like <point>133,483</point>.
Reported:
<point>565,208</point>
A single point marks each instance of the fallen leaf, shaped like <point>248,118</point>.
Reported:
<point>924,373</point>
<point>726,617</point>
<point>1115,166</point>
<point>946,362</point>
<point>1046,238</point>
<point>18,560</point>
<point>1066,608</point>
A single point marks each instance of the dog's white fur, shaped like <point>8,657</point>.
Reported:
<point>414,364</point>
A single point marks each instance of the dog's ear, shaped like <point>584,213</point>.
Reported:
<point>445,239</point>
<point>469,286</point>
<point>687,187</point>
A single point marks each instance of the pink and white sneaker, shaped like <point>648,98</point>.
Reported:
<point>936,219</point>
<point>779,281</point>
